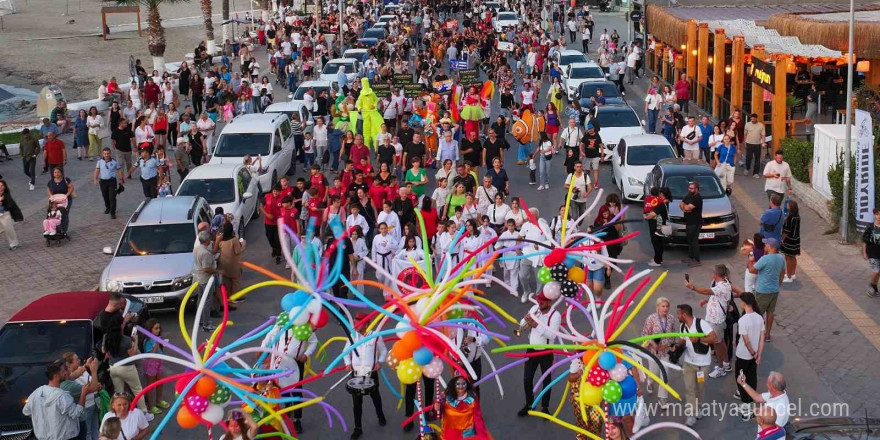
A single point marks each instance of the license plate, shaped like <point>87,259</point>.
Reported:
<point>152,299</point>
<point>706,235</point>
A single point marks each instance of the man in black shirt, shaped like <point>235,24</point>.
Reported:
<point>416,148</point>
<point>122,140</point>
<point>111,318</point>
<point>356,185</point>
<point>592,147</point>
<point>692,206</point>
<point>385,153</point>
<point>465,179</point>
<point>470,148</point>
<point>347,249</point>
<point>493,147</point>
<point>405,133</point>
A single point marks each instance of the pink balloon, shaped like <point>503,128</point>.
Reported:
<point>197,404</point>
<point>433,369</point>
<point>619,372</point>
<point>552,290</point>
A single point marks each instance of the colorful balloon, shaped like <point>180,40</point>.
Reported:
<point>570,260</point>
<point>559,272</point>
<point>569,288</point>
<point>628,387</point>
<point>611,391</point>
<point>197,404</point>
<point>619,373</point>
<point>591,395</point>
<point>221,395</point>
<point>577,275</point>
<point>598,377</point>
<point>319,319</point>
<point>544,275</point>
<point>291,300</point>
<point>213,415</point>
<point>302,332</point>
<point>552,290</point>
<point>455,314</point>
<point>401,351</point>
<point>556,256</point>
<point>402,325</point>
<point>392,360</point>
<point>186,419</point>
<point>607,360</point>
<point>434,369</point>
<point>411,341</point>
<point>423,356</point>
<point>282,319</point>
<point>409,371</point>
<point>205,387</point>
<point>299,318</point>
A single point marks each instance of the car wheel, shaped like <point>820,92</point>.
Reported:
<point>241,227</point>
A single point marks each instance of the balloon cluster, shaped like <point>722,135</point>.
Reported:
<point>203,404</point>
<point>561,278</point>
<point>412,356</point>
<point>305,312</point>
<point>610,382</point>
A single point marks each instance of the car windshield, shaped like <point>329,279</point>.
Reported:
<point>648,154</point>
<point>301,92</point>
<point>374,33</point>
<point>332,68</point>
<point>174,238</point>
<point>625,118</point>
<point>575,58</point>
<point>710,187</point>
<point>43,342</point>
<point>215,191</point>
<point>241,144</point>
<point>609,90</point>
<point>509,16</point>
<point>586,72</point>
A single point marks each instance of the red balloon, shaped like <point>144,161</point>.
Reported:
<point>181,383</point>
<point>556,256</point>
<point>320,320</point>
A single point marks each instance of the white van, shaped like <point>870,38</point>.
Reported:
<point>265,135</point>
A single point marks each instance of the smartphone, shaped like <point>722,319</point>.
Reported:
<point>687,277</point>
<point>742,375</point>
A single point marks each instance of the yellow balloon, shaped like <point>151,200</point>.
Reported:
<point>409,371</point>
<point>591,395</point>
<point>576,274</point>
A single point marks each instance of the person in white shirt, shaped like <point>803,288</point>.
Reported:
<point>632,60</point>
<point>356,219</point>
<point>581,191</point>
<point>542,323</point>
<point>497,213</point>
<point>690,139</point>
<point>507,239</point>
<point>360,252</point>
<point>750,347</point>
<point>528,268</point>
<point>365,360</point>
<point>775,397</point>
<point>391,220</point>
<point>697,359</point>
<point>556,226</point>
<point>472,342</point>
<point>319,134</point>
<point>653,104</point>
<point>778,177</point>
<point>441,193</point>
<point>384,249</point>
<point>719,295</point>
<point>470,241</point>
<point>290,353</point>
<point>487,233</point>
<point>441,242</point>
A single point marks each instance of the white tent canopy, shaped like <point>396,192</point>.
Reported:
<point>772,41</point>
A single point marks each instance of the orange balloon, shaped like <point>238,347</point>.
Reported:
<point>205,387</point>
<point>411,341</point>
<point>577,274</point>
<point>186,419</point>
<point>401,351</point>
<point>588,354</point>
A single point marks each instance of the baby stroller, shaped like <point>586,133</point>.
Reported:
<point>61,230</point>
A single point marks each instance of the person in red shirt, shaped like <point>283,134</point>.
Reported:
<point>151,93</point>
<point>392,190</point>
<point>378,193</point>
<point>271,209</point>
<point>286,189</point>
<point>56,154</point>
<point>429,215</point>
<point>683,93</point>
<point>316,212</point>
<point>337,190</point>
<point>318,181</point>
<point>365,166</point>
<point>289,214</point>
<point>359,150</point>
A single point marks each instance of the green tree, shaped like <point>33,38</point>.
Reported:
<point>155,30</point>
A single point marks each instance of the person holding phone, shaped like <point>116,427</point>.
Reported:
<point>239,426</point>
<point>697,359</point>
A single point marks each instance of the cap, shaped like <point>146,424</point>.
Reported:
<point>182,140</point>
<point>590,127</point>
<point>772,242</point>
<point>541,297</point>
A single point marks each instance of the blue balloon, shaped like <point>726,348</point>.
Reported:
<point>570,261</point>
<point>423,356</point>
<point>607,360</point>
<point>623,407</point>
<point>627,364</point>
<point>628,387</point>
<point>291,300</point>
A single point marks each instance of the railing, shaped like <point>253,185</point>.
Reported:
<point>707,99</point>
<point>723,108</point>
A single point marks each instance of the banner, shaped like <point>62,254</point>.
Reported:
<point>469,77</point>
<point>864,171</point>
<point>505,46</point>
<point>382,90</point>
<point>458,64</point>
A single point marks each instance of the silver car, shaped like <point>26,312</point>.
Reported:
<point>720,221</point>
<point>153,259</point>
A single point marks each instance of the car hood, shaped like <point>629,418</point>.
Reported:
<point>149,267</point>
<point>612,135</point>
<point>638,171</point>
<point>227,160</point>
<point>711,207</point>
<point>19,381</point>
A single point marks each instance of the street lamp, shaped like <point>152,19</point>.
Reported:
<point>844,221</point>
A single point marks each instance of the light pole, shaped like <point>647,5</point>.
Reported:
<point>844,221</point>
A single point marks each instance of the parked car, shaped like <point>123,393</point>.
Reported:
<point>615,122</point>
<point>383,21</point>
<point>298,96</point>
<point>576,74</point>
<point>588,89</point>
<point>37,335</point>
<point>376,33</point>
<point>357,53</point>
<point>566,57</point>
<point>331,69</point>
<point>504,20</point>
<point>153,259</point>
<point>291,108</point>
<point>633,159</point>
<point>720,220</point>
<point>267,135</point>
<point>833,428</point>
<point>494,6</point>
<point>226,186</point>
<point>368,41</point>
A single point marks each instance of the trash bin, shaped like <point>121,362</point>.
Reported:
<point>48,98</point>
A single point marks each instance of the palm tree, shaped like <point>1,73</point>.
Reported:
<point>226,24</point>
<point>155,31</point>
<point>267,8</point>
<point>209,26</point>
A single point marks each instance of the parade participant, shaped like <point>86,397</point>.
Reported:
<point>544,333</point>
<point>391,220</point>
<point>288,354</point>
<point>593,424</point>
<point>106,171</point>
<point>384,248</point>
<point>366,360</point>
<point>460,412</point>
<point>366,104</point>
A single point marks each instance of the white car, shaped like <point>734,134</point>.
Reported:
<point>331,69</point>
<point>384,20</point>
<point>494,6</point>
<point>359,54</point>
<point>576,73</point>
<point>298,96</point>
<point>265,135</point>
<point>633,158</point>
<point>291,108</point>
<point>615,122</point>
<point>504,20</point>
<point>227,186</point>
<point>566,57</point>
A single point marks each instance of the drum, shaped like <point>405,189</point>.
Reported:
<point>360,385</point>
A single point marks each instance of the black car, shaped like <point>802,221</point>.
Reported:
<point>37,336</point>
<point>588,89</point>
<point>834,428</point>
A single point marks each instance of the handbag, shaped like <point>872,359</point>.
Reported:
<point>325,158</point>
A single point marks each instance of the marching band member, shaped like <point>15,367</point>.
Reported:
<point>550,320</point>
<point>290,353</point>
<point>365,360</point>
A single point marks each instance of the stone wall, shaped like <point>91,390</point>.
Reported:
<point>812,199</point>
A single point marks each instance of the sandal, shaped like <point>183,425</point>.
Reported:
<point>155,411</point>
<point>767,338</point>
<point>164,405</point>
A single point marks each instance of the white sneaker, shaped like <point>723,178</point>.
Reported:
<point>717,372</point>
<point>786,279</point>
<point>756,176</point>
<point>149,416</point>
<point>52,232</point>
<point>691,421</point>
<point>653,264</point>
<point>525,298</point>
<point>30,186</point>
<point>540,187</point>
<point>45,232</point>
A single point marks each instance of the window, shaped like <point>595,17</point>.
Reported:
<point>276,143</point>
<point>648,154</point>
<point>285,126</point>
<point>175,238</point>
<point>710,187</point>
<point>42,342</point>
<point>242,183</point>
<point>575,58</point>
<point>587,73</point>
<point>215,191</point>
<point>240,144</point>
<point>589,89</point>
<point>618,119</point>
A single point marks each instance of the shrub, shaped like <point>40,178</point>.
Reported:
<point>835,180</point>
<point>799,155</point>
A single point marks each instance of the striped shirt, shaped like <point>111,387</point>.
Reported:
<point>296,127</point>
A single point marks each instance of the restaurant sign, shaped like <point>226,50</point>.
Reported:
<point>762,74</point>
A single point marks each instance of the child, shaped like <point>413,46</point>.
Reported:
<point>53,219</point>
<point>390,218</point>
<point>487,233</point>
<point>265,100</point>
<point>367,168</point>
<point>393,189</point>
<point>217,220</point>
<point>440,244</point>
<point>309,150</point>
<point>570,160</point>
<point>165,187</point>
<point>457,220</point>
<point>384,249</point>
<point>153,368</point>
<point>228,111</point>
<point>507,239</point>
<point>533,168</point>
<point>356,219</point>
<point>111,429</point>
<point>360,252</point>
<point>337,190</point>
<point>316,210</point>
<point>289,217</point>
<point>440,195</point>
<point>304,209</point>
<point>318,181</point>
<point>379,193</point>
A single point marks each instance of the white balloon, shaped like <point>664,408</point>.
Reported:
<point>401,325</point>
<point>302,318</point>
<point>314,307</point>
<point>213,414</point>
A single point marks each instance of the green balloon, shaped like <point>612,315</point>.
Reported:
<point>544,275</point>
<point>282,319</point>
<point>302,332</point>
<point>220,396</point>
<point>611,391</point>
<point>455,313</point>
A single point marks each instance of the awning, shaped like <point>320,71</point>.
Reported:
<point>770,38</point>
